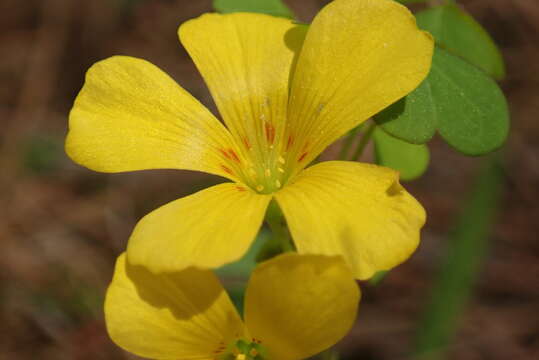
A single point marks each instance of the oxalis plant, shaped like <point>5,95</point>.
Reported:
<point>364,70</point>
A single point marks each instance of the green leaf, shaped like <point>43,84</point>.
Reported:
<point>472,111</point>
<point>409,159</point>
<point>458,32</point>
<point>270,7</point>
<point>462,102</point>
<point>458,273</point>
<point>413,118</point>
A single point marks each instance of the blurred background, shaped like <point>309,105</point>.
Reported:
<point>62,226</point>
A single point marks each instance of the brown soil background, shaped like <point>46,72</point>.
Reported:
<point>61,226</point>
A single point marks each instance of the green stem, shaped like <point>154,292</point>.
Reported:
<point>329,354</point>
<point>348,141</point>
<point>277,225</point>
<point>363,142</point>
<point>280,233</point>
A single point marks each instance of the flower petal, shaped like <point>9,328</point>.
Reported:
<point>210,228</point>
<point>299,305</point>
<point>358,211</point>
<point>182,315</point>
<point>359,57</point>
<point>130,115</point>
<point>246,60</point>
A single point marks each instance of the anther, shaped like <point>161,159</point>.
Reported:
<point>267,172</point>
<point>278,184</point>
<point>281,160</point>
<point>281,170</point>
<point>259,188</point>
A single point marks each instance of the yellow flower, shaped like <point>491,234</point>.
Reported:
<point>285,92</point>
<point>295,306</point>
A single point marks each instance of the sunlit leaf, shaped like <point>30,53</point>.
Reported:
<point>413,118</point>
<point>461,101</point>
<point>410,160</point>
<point>458,32</point>
<point>270,7</point>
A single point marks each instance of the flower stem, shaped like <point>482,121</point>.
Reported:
<point>363,142</point>
<point>348,141</point>
<point>329,354</point>
<point>280,240</point>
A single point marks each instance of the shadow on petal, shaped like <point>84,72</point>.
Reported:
<point>185,293</point>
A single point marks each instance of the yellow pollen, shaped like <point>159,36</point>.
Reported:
<point>268,173</point>
<point>281,170</point>
<point>259,187</point>
<point>281,160</point>
<point>240,357</point>
<point>278,184</point>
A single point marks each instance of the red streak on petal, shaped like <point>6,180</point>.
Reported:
<point>234,155</point>
<point>246,143</point>
<point>270,132</point>
<point>225,154</point>
<point>240,188</point>
<point>289,142</point>
<point>302,156</point>
<point>227,169</point>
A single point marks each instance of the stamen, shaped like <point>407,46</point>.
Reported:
<point>281,160</point>
<point>259,187</point>
<point>278,184</point>
<point>267,172</point>
<point>281,170</point>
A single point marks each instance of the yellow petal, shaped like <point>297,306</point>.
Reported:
<point>359,211</point>
<point>181,315</point>
<point>299,305</point>
<point>210,228</point>
<point>359,56</point>
<point>246,60</point>
<point>130,115</point>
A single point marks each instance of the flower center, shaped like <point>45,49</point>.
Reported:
<point>268,153</point>
<point>242,349</point>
